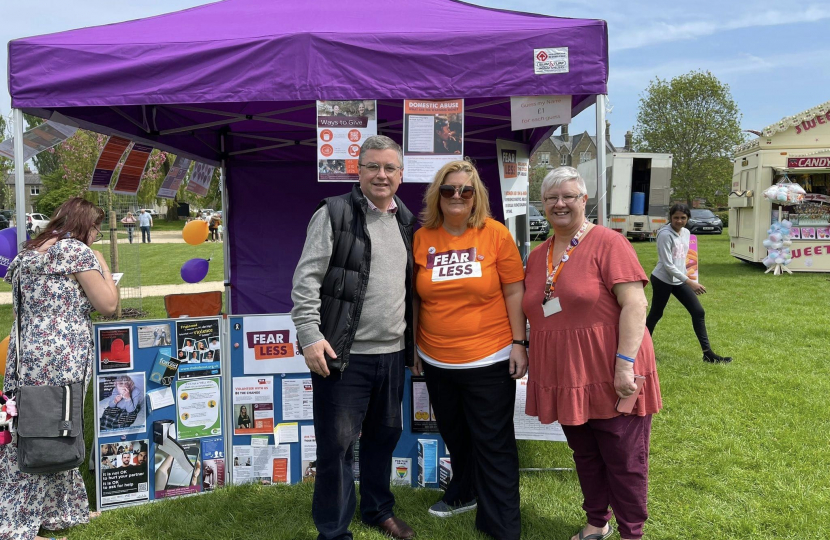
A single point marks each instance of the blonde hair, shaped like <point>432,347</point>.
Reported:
<point>431,216</point>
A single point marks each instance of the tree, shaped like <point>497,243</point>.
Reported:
<point>535,185</point>
<point>694,118</point>
<point>76,159</point>
<point>5,169</point>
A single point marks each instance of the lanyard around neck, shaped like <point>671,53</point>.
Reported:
<point>554,271</point>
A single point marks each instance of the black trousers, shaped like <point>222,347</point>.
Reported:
<point>367,398</point>
<point>474,411</point>
<point>660,297</point>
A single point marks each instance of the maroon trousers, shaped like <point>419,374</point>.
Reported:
<point>611,459</point>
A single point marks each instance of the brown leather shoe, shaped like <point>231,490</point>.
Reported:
<point>396,528</point>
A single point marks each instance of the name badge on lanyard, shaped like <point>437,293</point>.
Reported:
<point>550,303</point>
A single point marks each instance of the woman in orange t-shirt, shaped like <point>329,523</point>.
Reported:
<point>470,338</point>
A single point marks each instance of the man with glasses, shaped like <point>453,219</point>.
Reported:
<point>352,309</point>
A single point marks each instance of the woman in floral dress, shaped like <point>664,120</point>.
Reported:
<point>63,280</point>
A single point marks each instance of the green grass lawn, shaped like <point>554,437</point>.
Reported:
<point>739,451</point>
<point>159,264</point>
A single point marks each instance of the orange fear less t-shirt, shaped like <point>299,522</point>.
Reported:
<point>463,317</point>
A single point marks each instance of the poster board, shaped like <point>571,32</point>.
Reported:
<point>157,435</point>
<point>274,441</point>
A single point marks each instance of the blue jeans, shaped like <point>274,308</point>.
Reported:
<point>145,234</point>
<point>364,402</point>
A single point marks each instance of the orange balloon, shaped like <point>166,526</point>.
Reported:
<point>4,351</point>
<point>195,232</point>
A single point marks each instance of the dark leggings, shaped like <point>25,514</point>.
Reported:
<point>687,297</point>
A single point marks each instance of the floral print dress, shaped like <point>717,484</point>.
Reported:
<point>57,334</point>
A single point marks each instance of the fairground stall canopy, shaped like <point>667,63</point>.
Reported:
<point>235,83</point>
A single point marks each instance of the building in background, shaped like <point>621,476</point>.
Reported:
<point>34,187</point>
<point>566,150</point>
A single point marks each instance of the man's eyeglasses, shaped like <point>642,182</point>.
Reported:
<point>567,199</point>
<point>374,168</point>
<point>465,192</point>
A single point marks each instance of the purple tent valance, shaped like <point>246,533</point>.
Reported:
<point>265,50</point>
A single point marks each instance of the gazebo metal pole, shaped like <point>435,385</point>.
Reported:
<point>19,179</point>
<point>225,236</point>
<point>602,218</point>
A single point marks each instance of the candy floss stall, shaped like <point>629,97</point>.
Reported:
<point>779,207</point>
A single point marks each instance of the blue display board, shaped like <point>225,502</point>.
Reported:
<point>264,346</point>
<point>143,453</point>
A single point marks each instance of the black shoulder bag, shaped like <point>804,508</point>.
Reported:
<point>49,425</point>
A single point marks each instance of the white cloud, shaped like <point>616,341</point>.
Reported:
<point>662,32</point>
<point>725,68</point>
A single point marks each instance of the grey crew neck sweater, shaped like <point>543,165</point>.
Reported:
<point>381,325</point>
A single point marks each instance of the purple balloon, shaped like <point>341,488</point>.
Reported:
<point>8,249</point>
<point>195,270</point>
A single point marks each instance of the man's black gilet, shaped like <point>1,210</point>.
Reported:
<point>344,285</point>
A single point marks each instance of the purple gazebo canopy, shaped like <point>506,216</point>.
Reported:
<point>245,74</point>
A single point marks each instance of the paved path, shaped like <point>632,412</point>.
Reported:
<point>152,290</point>
<point>157,237</point>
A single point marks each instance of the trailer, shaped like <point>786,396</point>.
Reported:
<point>795,148</point>
<point>628,173</point>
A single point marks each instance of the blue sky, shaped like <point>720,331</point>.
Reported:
<point>771,53</point>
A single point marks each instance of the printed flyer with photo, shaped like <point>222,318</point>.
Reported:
<point>198,345</point>
<point>342,127</point>
<point>243,464</point>
<point>253,405</point>
<point>308,453</point>
<point>156,335</point>
<point>198,411</point>
<point>115,349</point>
<point>213,463</point>
<point>433,136</point>
<point>180,472</point>
<point>123,473</point>
<point>423,417</point>
<point>121,404</point>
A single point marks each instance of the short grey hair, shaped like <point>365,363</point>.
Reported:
<point>381,142</point>
<point>559,176</point>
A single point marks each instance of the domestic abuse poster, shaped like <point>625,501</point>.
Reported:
<point>433,136</point>
<point>342,127</point>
